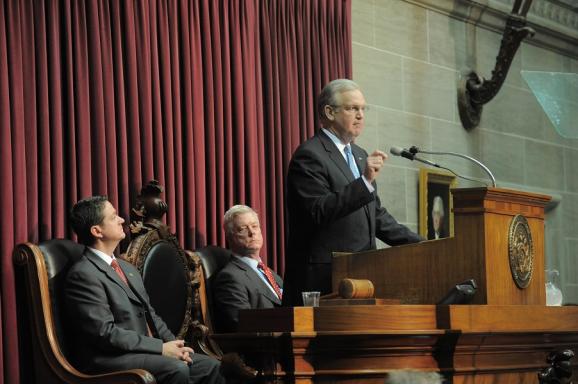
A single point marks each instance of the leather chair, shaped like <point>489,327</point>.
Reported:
<point>175,280</point>
<point>213,259</point>
<point>210,260</point>
<point>167,266</point>
<point>176,286</point>
<point>168,273</point>
<point>41,272</point>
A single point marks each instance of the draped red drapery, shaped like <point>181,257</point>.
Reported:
<point>209,97</point>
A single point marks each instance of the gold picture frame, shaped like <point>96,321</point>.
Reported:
<point>435,194</point>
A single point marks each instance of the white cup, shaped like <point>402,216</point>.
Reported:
<point>310,299</point>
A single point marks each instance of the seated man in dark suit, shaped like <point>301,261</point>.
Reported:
<point>113,323</point>
<point>245,282</point>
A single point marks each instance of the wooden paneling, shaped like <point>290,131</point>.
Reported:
<point>499,200</point>
<point>344,302</point>
<point>401,318</point>
<point>478,318</point>
<point>487,219</point>
<point>414,274</point>
<point>338,318</point>
<point>469,344</point>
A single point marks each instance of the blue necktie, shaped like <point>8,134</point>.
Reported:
<point>351,161</point>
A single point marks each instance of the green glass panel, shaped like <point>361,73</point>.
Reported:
<point>557,93</point>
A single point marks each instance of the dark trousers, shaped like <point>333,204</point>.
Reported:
<point>168,370</point>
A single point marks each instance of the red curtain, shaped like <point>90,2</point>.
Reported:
<point>209,97</point>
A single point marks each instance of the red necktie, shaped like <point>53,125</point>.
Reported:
<point>122,276</point>
<point>118,271</point>
<point>271,279</point>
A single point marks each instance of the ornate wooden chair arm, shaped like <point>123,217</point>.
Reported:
<point>132,376</point>
<point>201,340</point>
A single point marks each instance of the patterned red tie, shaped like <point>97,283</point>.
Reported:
<point>270,278</point>
<point>122,276</point>
<point>118,271</point>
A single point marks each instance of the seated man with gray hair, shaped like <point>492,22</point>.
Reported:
<point>245,282</point>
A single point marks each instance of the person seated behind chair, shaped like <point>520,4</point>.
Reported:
<point>242,284</point>
<point>114,326</point>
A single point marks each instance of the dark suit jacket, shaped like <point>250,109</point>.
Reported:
<point>236,287</point>
<point>108,317</point>
<point>330,211</point>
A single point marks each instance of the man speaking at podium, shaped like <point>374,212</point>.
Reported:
<point>332,200</point>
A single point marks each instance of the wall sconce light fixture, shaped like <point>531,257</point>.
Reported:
<point>474,91</point>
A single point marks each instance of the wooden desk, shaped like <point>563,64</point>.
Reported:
<point>467,344</point>
<point>504,338</point>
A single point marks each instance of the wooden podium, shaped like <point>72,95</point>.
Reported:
<point>504,336</point>
<point>423,273</point>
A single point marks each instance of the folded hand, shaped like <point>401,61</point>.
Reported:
<point>177,349</point>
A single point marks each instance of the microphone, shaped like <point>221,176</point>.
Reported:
<point>408,154</point>
<point>398,151</point>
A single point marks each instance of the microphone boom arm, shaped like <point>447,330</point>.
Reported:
<point>462,156</point>
<point>425,161</point>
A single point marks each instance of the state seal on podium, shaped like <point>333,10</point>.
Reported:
<point>520,251</point>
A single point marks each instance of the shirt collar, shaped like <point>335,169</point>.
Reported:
<point>106,258</point>
<point>249,261</point>
<point>335,140</point>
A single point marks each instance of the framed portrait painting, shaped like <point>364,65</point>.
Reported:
<point>436,219</point>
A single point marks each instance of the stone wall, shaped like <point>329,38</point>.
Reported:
<point>408,56</point>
